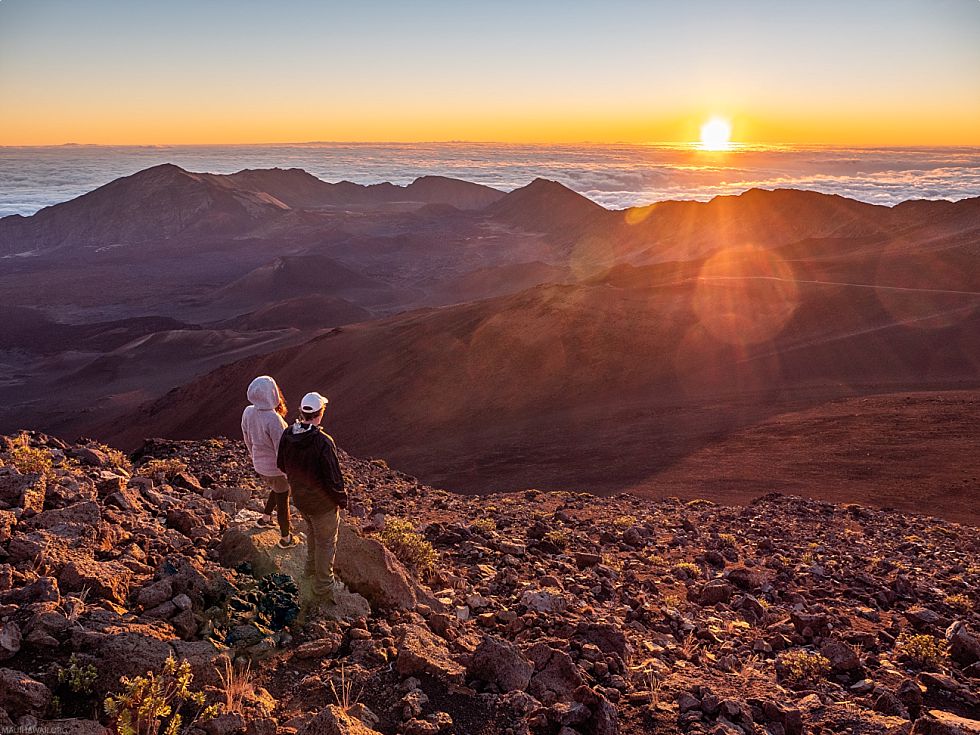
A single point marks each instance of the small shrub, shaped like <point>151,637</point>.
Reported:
<point>699,503</point>
<point>485,526</point>
<point>960,602</point>
<point>29,460</point>
<point>117,457</point>
<point>74,690</point>
<point>686,570</point>
<point>76,678</point>
<point>923,651</point>
<point>409,546</point>
<point>802,667</point>
<point>237,683</point>
<point>161,469</point>
<point>728,540</point>
<point>557,538</point>
<point>624,521</point>
<point>159,704</point>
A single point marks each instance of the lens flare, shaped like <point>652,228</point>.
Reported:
<point>745,295</point>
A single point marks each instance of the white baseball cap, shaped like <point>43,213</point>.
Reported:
<point>313,402</point>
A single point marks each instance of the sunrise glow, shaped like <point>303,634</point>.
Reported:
<point>716,135</point>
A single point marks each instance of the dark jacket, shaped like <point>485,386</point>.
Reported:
<point>308,456</point>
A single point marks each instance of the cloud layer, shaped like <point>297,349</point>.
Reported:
<point>616,176</point>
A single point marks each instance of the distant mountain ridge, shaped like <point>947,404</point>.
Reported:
<point>166,202</point>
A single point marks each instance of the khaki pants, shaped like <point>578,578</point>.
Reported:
<point>321,546</point>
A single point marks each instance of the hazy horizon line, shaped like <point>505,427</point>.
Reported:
<point>688,144</point>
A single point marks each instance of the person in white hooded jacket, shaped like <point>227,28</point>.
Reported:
<point>262,427</point>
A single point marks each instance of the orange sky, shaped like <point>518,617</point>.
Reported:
<point>247,72</point>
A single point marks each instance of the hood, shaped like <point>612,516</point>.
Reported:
<point>301,433</point>
<point>263,393</point>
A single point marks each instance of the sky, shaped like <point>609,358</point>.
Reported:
<point>828,72</point>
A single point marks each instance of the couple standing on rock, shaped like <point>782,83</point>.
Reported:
<point>301,458</point>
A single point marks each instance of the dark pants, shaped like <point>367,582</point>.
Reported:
<point>278,501</point>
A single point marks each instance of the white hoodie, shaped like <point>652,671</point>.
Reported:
<point>262,426</point>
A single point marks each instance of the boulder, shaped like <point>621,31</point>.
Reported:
<point>335,721</point>
<point>501,663</point>
<point>197,517</point>
<point>368,568</point>
<point>82,514</point>
<point>937,722</point>
<point>107,580</point>
<point>346,605</point>
<point>554,671</point>
<point>549,600</point>
<point>90,456</point>
<point>227,723</point>
<point>7,522</point>
<point>22,695</point>
<point>124,649</point>
<point>810,625</point>
<point>748,580</point>
<point>842,657</point>
<point>364,564</point>
<point>9,640</point>
<point>201,655</point>
<point>155,594</point>
<point>609,638</point>
<point>22,490</point>
<point>422,652</point>
<point>43,589</point>
<point>715,591</point>
<point>963,645</point>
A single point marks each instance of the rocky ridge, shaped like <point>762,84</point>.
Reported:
<point>556,613</point>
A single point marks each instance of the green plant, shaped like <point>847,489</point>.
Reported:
<point>728,540</point>
<point>163,469</point>
<point>117,457</point>
<point>960,602</point>
<point>156,704</point>
<point>801,667</point>
<point>699,503</point>
<point>923,651</point>
<point>409,546</point>
<point>77,678</point>
<point>624,521</point>
<point>484,525</point>
<point>557,538</point>
<point>30,460</point>
<point>686,570</point>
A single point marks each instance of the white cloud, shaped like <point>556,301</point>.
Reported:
<point>615,176</point>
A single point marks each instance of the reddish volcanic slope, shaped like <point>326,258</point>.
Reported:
<point>613,348</point>
<point>607,383</point>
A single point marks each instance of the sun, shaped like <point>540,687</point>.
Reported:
<point>716,135</point>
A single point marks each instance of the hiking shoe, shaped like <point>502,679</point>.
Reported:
<point>264,521</point>
<point>286,542</point>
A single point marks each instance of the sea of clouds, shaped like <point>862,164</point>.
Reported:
<point>616,176</point>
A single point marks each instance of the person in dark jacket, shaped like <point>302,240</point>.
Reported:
<point>308,456</point>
